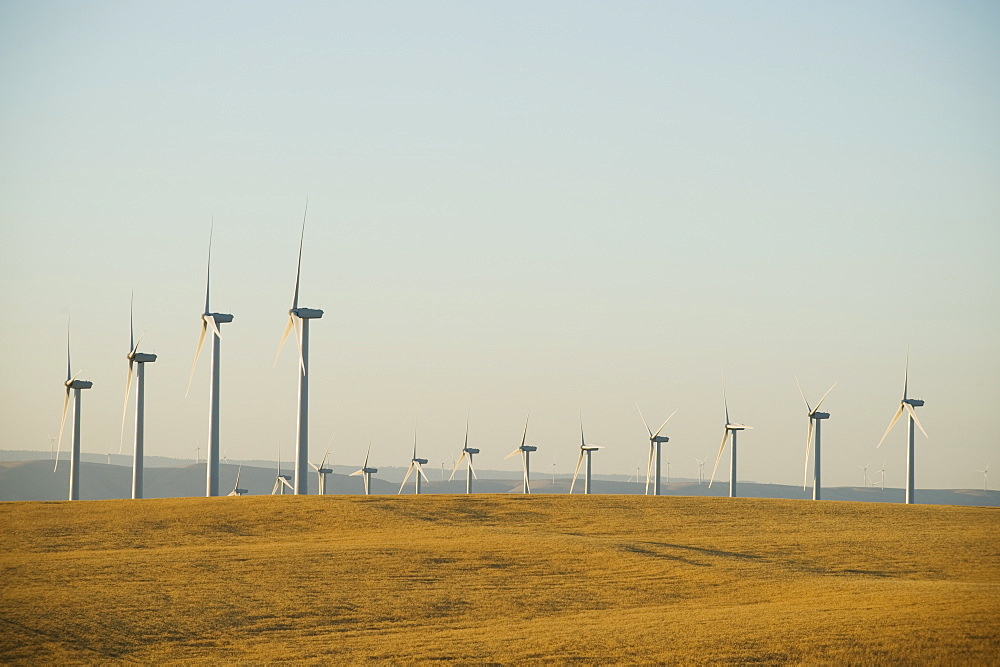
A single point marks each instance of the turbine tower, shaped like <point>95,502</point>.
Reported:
<point>467,453</point>
<point>213,320</point>
<point>731,428</point>
<point>366,471</point>
<point>907,404</point>
<point>298,318</point>
<point>525,452</point>
<point>415,464</point>
<point>281,481</point>
<point>815,422</point>
<point>587,450</point>
<point>321,472</point>
<point>141,359</point>
<point>864,469</point>
<point>76,386</point>
<point>655,440</point>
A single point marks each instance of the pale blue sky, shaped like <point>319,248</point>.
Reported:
<point>569,205</point>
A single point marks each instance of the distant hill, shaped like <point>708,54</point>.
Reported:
<point>35,480</point>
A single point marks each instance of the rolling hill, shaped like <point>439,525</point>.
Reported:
<point>498,578</point>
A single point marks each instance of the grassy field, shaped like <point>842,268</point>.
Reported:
<point>498,579</point>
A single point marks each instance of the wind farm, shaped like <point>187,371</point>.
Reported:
<point>541,221</point>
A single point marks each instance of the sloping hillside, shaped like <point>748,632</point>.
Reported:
<point>498,578</point>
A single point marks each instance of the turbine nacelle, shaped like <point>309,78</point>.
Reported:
<point>306,313</point>
<point>590,448</point>
<point>142,358</point>
<point>420,461</point>
<point>79,384</point>
<point>659,439</point>
<point>528,448</point>
<point>820,415</point>
<point>220,318</point>
<point>468,450</point>
<point>915,402</point>
<point>738,427</point>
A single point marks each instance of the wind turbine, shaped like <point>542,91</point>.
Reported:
<point>415,464</point>
<point>75,386</point>
<point>587,450</point>
<point>881,474</point>
<point>467,453</point>
<point>701,471</point>
<point>734,429</point>
<point>366,471</point>
<point>655,440</point>
<point>134,358</point>
<point>864,468</point>
<point>985,472</point>
<point>815,422</point>
<point>907,404</point>
<point>237,491</point>
<point>281,481</point>
<point>298,318</point>
<point>213,320</point>
<point>525,451</point>
<point>321,472</point>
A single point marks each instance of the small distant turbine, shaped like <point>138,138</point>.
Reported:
<point>585,450</point>
<point>864,468</point>
<point>75,386</point>
<point>213,320</point>
<point>141,359</point>
<point>525,451</point>
<point>701,471</point>
<point>281,482</point>
<point>237,491</point>
<point>906,405</point>
<point>366,471</point>
<point>986,472</point>
<point>298,318</point>
<point>415,464</point>
<point>467,453</point>
<point>321,472</point>
<point>655,440</point>
<point>731,428</point>
<point>881,473</point>
<point>815,422</point>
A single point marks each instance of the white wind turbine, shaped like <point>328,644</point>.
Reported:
<point>864,469</point>
<point>134,358</point>
<point>906,405</point>
<point>467,453</point>
<point>731,428</point>
<point>986,472</point>
<point>281,481</point>
<point>366,471</point>
<point>525,451</point>
<point>298,318</point>
<point>321,472</point>
<point>213,320</point>
<point>237,491</point>
<point>655,440</point>
<point>585,450</point>
<point>881,476</point>
<point>415,464</point>
<point>815,422</point>
<point>701,471</point>
<point>75,386</point>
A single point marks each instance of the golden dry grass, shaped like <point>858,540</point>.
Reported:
<point>498,579</point>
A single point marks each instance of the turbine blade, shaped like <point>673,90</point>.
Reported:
<point>62,426</point>
<point>212,323</point>
<point>665,423</point>
<point>356,472</point>
<point>420,471</point>
<point>458,464</point>
<point>197,353</point>
<point>369,451</point>
<point>69,373</point>
<point>913,416</point>
<point>208,270</point>
<point>803,395</point>
<point>583,441</point>
<point>825,395</point>
<point>809,435</point>
<point>906,372</point>
<point>284,337</point>
<point>643,420</point>
<point>131,330</point>
<point>128,386</point>
<point>513,453</point>
<point>405,477</point>
<point>576,472</point>
<point>472,468</point>
<point>298,268</point>
<point>298,341</point>
<point>524,436</point>
<point>649,466</point>
<point>895,418</point>
<point>719,457</point>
